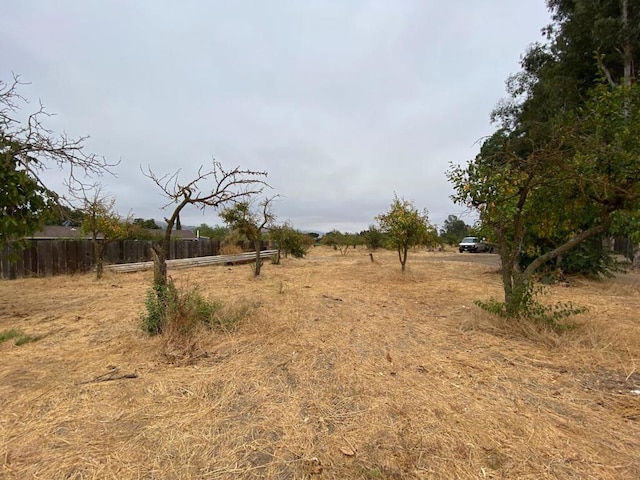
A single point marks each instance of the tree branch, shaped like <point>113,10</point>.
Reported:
<point>568,245</point>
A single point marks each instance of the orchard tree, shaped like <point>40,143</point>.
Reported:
<point>373,237</point>
<point>289,241</point>
<point>214,188</point>
<point>105,226</point>
<point>339,241</point>
<point>251,222</point>
<point>431,240</point>
<point>564,165</point>
<point>405,227</point>
<point>27,148</point>
<point>575,184</point>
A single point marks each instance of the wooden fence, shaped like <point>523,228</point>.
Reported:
<point>45,258</point>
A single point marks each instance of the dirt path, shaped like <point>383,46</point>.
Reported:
<point>488,259</point>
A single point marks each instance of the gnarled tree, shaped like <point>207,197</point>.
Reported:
<point>214,188</point>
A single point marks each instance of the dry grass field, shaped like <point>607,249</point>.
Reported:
<point>345,369</point>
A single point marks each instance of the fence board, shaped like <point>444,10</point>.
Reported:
<point>72,257</point>
<point>16,266</point>
<point>23,263</point>
<point>55,258</point>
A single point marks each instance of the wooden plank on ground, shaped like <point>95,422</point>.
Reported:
<point>193,262</point>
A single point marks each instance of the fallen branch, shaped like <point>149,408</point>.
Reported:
<point>109,376</point>
<point>332,298</point>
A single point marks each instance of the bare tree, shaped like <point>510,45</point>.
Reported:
<point>225,186</point>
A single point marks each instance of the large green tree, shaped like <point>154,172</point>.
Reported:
<point>453,230</point>
<point>27,148</point>
<point>564,162</point>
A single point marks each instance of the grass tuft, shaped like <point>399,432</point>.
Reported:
<point>9,334</point>
<point>230,250</point>
<point>20,337</point>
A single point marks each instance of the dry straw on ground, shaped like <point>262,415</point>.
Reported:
<point>344,369</point>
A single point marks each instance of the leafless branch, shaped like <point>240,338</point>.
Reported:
<point>225,186</point>
<point>268,217</point>
<point>212,188</point>
<point>35,148</point>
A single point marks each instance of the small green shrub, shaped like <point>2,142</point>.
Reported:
<point>553,316</point>
<point>183,310</point>
<point>590,259</point>
<point>153,321</point>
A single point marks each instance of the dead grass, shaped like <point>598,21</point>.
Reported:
<point>340,356</point>
<point>230,249</point>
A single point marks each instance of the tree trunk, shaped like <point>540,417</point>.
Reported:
<point>159,267</point>
<point>517,283</point>
<point>160,252</point>
<point>636,258</point>
<point>516,295</point>
<point>627,52</point>
<point>257,244</point>
<point>402,255</point>
<point>514,283</point>
<point>99,266</point>
<point>98,253</point>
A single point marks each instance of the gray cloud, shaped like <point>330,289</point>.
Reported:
<point>343,103</point>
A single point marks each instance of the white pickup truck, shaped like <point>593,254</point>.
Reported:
<point>474,245</point>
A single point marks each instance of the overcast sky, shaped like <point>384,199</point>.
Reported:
<point>343,102</point>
